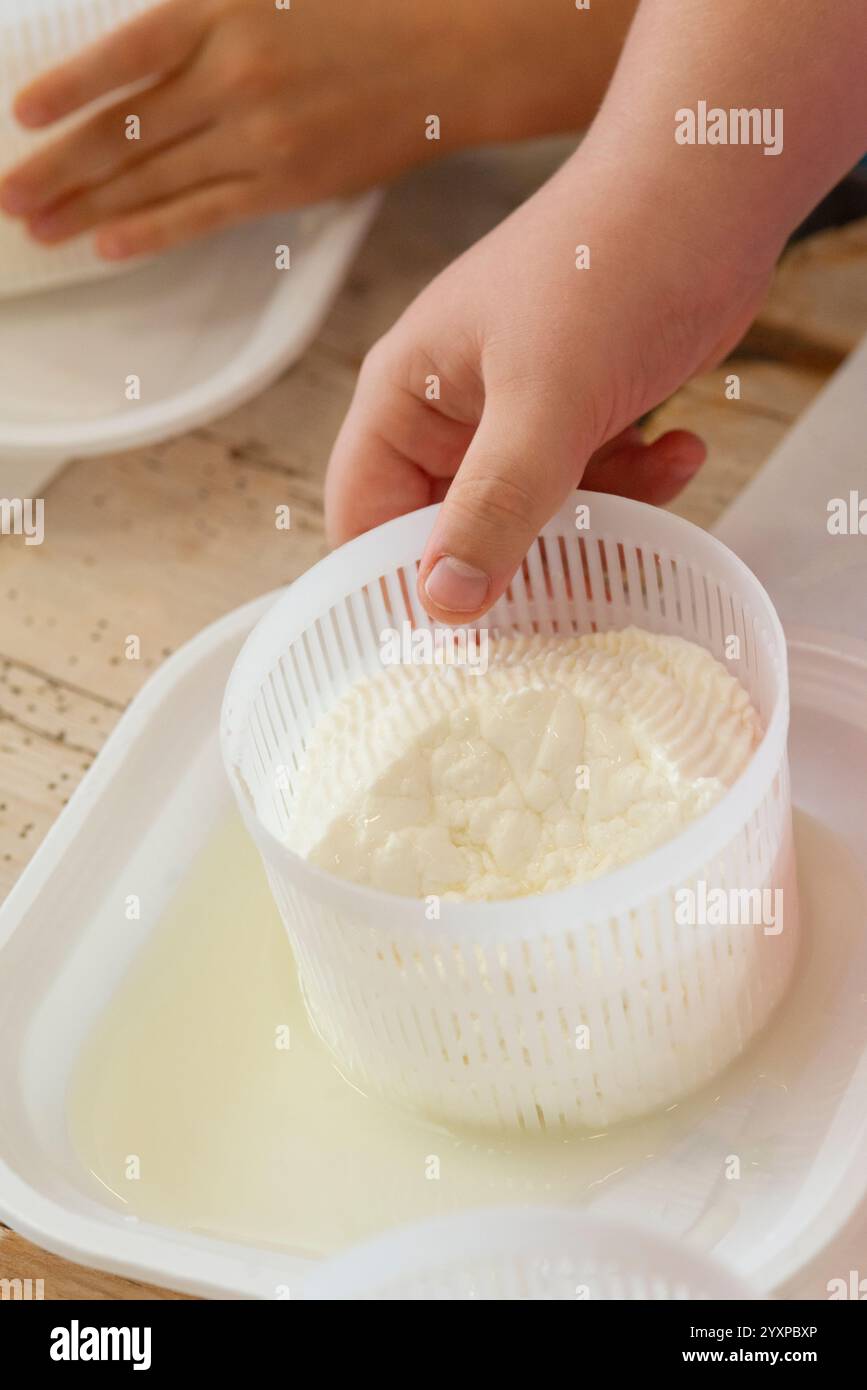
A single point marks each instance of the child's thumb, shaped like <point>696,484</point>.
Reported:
<point>519,468</point>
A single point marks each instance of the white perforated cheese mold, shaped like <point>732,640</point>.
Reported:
<point>484,1016</point>
<point>35,35</point>
<point>523,1254</point>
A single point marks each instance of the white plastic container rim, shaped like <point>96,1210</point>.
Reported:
<point>400,542</point>
<point>515,1253</point>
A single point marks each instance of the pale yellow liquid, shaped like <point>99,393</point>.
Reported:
<point>240,1138</point>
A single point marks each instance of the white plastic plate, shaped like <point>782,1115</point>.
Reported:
<point>141,815</point>
<point>203,328</point>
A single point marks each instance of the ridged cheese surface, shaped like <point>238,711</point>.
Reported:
<point>565,759</point>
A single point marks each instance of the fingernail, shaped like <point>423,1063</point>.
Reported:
<point>456,587</point>
<point>45,228</point>
<point>31,112</point>
<point>14,200</point>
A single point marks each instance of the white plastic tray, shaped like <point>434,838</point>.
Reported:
<point>203,328</point>
<point>142,813</point>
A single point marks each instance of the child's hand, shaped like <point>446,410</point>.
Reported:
<point>540,367</point>
<point>250,109</point>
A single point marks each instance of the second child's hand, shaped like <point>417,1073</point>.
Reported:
<point>248,109</point>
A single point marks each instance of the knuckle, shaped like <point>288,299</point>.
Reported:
<point>378,362</point>
<point>142,48</point>
<point>269,131</point>
<point>241,75</point>
<point>248,70</point>
<point>495,496</point>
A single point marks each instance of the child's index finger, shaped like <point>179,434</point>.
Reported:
<point>149,46</point>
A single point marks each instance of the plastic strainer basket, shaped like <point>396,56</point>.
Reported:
<point>523,1254</point>
<point>477,1017</point>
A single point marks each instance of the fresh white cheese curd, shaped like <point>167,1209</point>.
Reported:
<point>565,759</point>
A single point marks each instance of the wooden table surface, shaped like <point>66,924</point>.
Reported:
<point>163,540</point>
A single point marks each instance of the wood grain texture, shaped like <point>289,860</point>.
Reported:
<point>158,542</point>
<point>63,1280</point>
